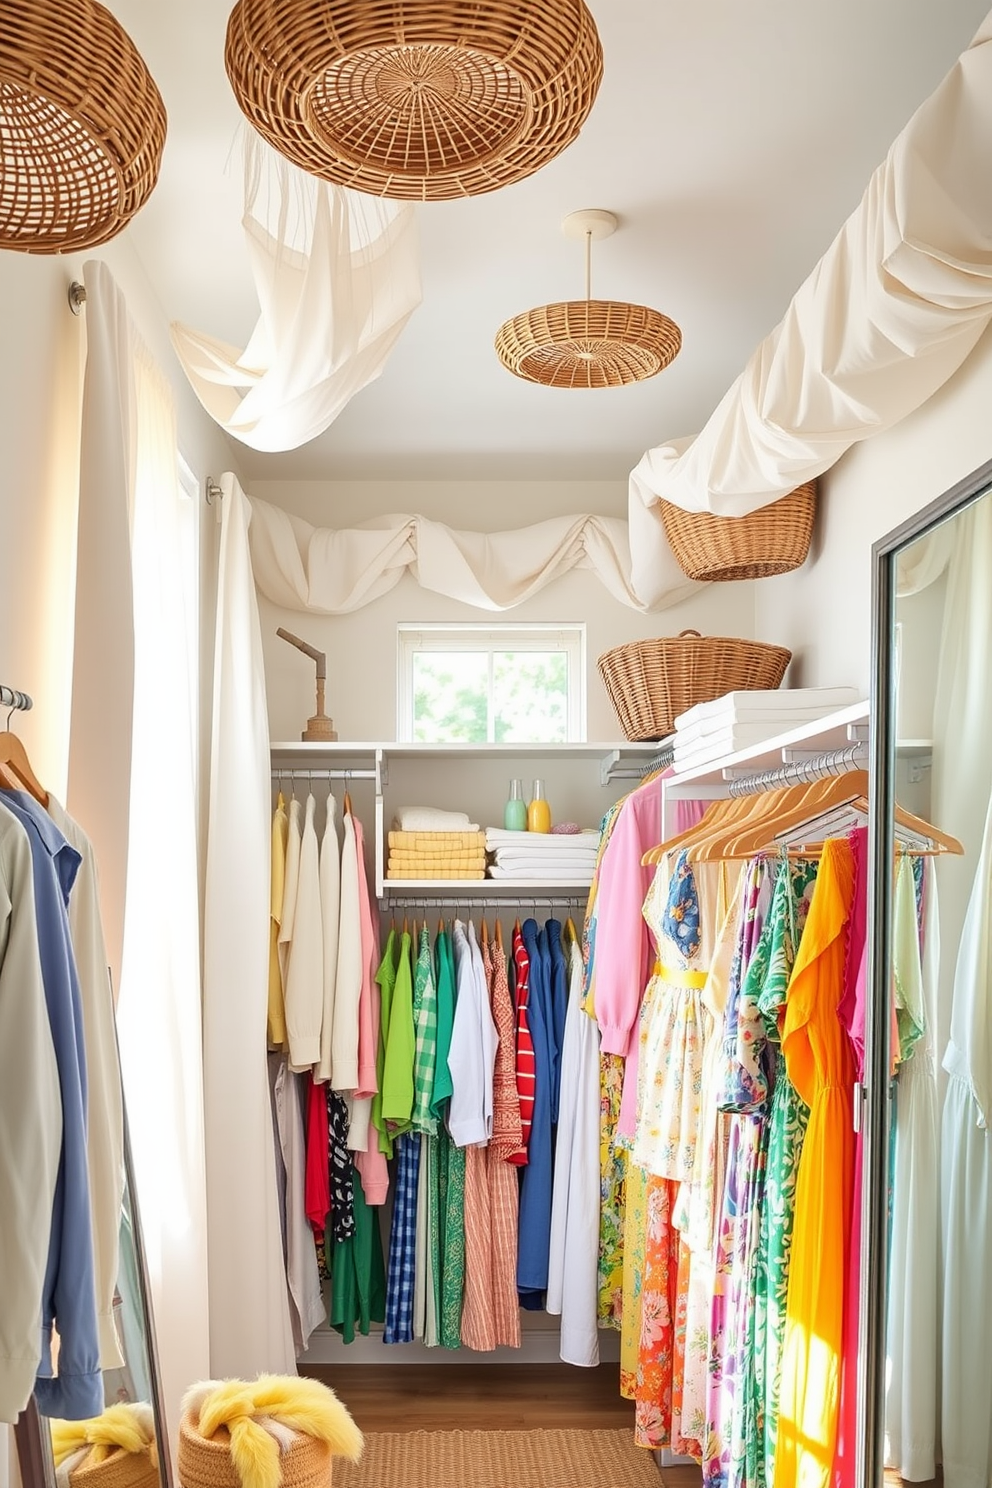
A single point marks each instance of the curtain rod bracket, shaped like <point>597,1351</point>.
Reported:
<point>213,491</point>
<point>76,296</point>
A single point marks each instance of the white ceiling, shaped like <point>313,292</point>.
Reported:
<point>732,138</point>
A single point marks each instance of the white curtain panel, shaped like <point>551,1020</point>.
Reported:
<point>250,1329</point>
<point>302,567</point>
<point>337,276</point>
<point>131,786</point>
<point>892,309</point>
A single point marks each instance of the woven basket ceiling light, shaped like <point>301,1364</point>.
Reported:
<point>420,100</point>
<point>588,343</point>
<point>82,126</point>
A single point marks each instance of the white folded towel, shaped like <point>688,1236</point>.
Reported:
<point>497,837</point>
<point>547,862</point>
<point>747,705</point>
<point>543,875</point>
<point>431,819</point>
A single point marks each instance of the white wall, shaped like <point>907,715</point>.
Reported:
<point>823,610</point>
<point>361,647</point>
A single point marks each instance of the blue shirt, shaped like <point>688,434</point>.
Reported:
<point>559,1008</point>
<point>534,1237</point>
<point>69,1299</point>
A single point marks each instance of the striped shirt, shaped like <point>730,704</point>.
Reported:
<point>526,1067</point>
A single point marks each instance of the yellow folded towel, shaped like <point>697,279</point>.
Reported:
<point>447,840</point>
<point>440,873</point>
<point>410,861</point>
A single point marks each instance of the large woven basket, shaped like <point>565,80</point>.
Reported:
<point>651,682</point>
<point>771,540</point>
<point>82,126</point>
<point>119,1469</point>
<point>206,1462</point>
<point>422,100</point>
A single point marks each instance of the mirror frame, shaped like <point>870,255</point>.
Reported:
<point>876,1107</point>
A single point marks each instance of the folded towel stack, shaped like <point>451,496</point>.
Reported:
<point>739,719</point>
<point>542,857</point>
<point>442,854</point>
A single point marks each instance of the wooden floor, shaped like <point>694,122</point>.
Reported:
<point>478,1397</point>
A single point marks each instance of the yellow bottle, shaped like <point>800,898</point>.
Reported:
<point>538,810</point>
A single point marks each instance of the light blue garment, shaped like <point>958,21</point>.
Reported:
<point>69,1299</point>
<point>534,1236</point>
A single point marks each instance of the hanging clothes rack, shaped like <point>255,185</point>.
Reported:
<point>279,775</point>
<point>17,702</point>
<point>471,902</point>
<point>800,771</point>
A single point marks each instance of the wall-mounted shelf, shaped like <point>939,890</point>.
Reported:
<point>370,761</point>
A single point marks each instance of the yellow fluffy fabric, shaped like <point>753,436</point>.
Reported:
<point>254,1410</point>
<point>131,1427</point>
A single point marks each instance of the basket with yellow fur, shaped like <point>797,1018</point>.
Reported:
<point>113,1450</point>
<point>274,1432</point>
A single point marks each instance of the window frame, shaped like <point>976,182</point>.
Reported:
<point>569,637</point>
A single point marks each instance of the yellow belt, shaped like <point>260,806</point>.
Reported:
<point>676,977</point>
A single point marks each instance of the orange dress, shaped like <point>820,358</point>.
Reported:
<point>820,1063</point>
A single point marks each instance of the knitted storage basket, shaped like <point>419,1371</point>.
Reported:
<point>651,682</point>
<point>771,540</point>
<point>121,1469</point>
<point>207,1462</point>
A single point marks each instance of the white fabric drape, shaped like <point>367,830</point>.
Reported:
<point>966,1163</point>
<point>250,1328</point>
<point>913,1333</point>
<point>301,567</point>
<point>892,309</point>
<point>131,786</point>
<point>337,277</point>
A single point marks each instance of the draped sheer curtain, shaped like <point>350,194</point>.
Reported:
<point>132,788</point>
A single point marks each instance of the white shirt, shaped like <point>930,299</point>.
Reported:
<point>305,966</point>
<point>330,910</point>
<point>472,1053</point>
<point>348,988</point>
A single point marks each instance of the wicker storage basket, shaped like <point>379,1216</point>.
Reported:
<point>120,1469</point>
<point>771,540</point>
<point>651,682</point>
<point>206,1462</point>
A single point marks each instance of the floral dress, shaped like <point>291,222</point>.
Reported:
<point>765,987</point>
<point>672,1033</point>
<point>742,1097</point>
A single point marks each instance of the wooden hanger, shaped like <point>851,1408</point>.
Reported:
<point>714,845</point>
<point>727,809</point>
<point>16,771</point>
<point>498,934</point>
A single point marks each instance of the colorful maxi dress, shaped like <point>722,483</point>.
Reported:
<point>766,985</point>
<point>742,1098</point>
<point>820,1063</point>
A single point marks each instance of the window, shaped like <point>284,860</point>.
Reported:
<point>491,684</point>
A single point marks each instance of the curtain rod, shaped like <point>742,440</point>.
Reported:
<point>16,701</point>
<point>799,772</point>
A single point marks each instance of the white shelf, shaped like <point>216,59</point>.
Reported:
<point>833,731</point>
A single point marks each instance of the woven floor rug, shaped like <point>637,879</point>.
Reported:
<point>500,1459</point>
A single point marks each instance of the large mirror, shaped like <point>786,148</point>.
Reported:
<point>47,1455</point>
<point>927,1282</point>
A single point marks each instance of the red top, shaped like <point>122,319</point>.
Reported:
<point>526,1064</point>
<point>317,1182</point>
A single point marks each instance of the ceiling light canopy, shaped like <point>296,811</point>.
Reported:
<point>421,100</point>
<point>82,126</point>
<point>588,343</point>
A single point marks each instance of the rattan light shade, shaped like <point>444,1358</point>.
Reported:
<point>421,100</point>
<point>588,343</point>
<point>82,126</point>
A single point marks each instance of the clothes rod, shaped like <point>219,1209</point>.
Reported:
<point>323,774</point>
<point>802,772</point>
<point>17,702</point>
<point>463,901</point>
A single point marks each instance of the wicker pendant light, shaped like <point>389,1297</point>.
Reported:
<point>82,126</point>
<point>420,100</point>
<point>588,343</point>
